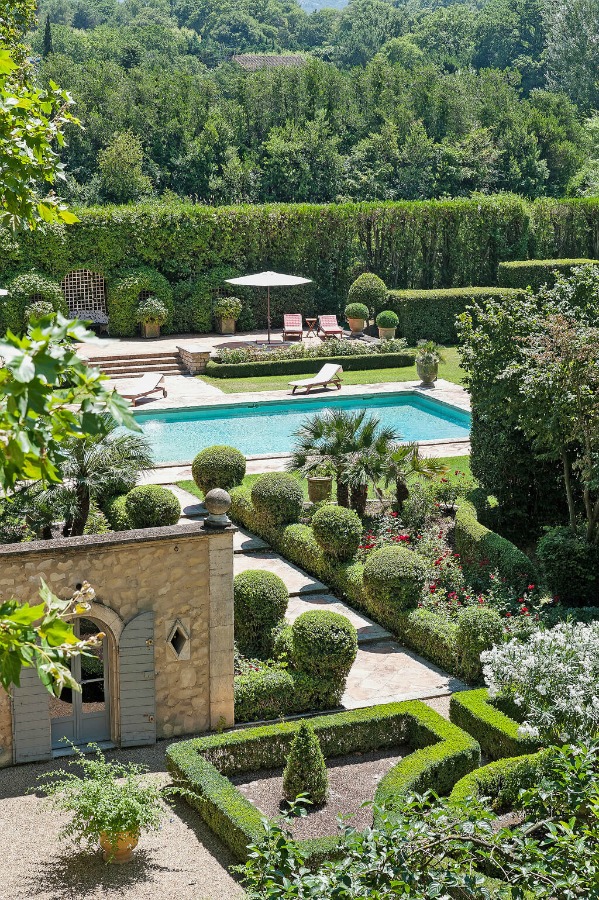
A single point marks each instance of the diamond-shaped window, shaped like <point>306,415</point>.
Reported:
<point>178,641</point>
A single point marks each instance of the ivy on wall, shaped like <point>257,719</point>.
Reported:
<point>409,244</point>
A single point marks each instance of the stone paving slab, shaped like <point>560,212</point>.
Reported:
<point>367,629</point>
<point>386,672</point>
<point>191,506</point>
<point>297,581</point>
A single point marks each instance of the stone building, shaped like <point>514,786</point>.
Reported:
<point>164,600</point>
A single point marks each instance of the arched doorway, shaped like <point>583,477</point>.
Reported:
<point>84,716</point>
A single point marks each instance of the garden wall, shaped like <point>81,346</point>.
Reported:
<point>409,244</point>
<point>178,575</point>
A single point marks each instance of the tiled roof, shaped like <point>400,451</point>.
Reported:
<point>253,61</point>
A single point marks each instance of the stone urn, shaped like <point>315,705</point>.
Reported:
<point>428,371</point>
<point>218,503</point>
<point>386,334</point>
<point>356,326</point>
<point>226,326</point>
<point>150,329</point>
<point>120,848</point>
<point>319,487</point>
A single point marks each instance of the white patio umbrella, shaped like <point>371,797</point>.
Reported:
<point>268,280</point>
<point>3,292</point>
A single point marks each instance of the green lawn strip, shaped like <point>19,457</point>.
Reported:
<point>441,755</point>
<point>450,370</point>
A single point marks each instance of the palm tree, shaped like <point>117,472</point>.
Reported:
<point>353,443</point>
<point>405,461</point>
<point>98,466</point>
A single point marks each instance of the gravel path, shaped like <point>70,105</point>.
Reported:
<point>182,861</point>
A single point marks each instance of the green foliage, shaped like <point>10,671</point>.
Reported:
<point>97,521</point>
<point>228,308</point>
<point>387,319</point>
<point>151,311</point>
<point>570,565</point>
<point>501,781</point>
<point>37,310</point>
<point>308,364</point>
<point>23,291</point>
<point>218,466</point>
<point>104,797</point>
<point>125,294</point>
<point>432,314</point>
<point>278,498</point>
<point>534,273</point>
<point>356,311</point>
<point>260,600</point>
<point>337,531</point>
<point>478,546</point>
<point>496,733</point>
<point>441,755</point>
<point>369,291</point>
<point>478,628</point>
<point>152,506</point>
<point>393,581</point>
<point>120,169</point>
<point>305,772</point>
<point>325,644</point>
<point>115,510</point>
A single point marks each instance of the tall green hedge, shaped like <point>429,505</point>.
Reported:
<point>408,244</point>
<point>432,314</point>
<point>534,273</point>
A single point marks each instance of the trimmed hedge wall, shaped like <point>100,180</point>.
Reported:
<point>309,365</point>
<point>496,733</point>
<point>478,546</point>
<point>441,755</point>
<point>501,781</point>
<point>534,273</point>
<point>436,243</point>
<point>432,314</point>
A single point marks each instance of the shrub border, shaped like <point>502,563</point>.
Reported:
<point>309,365</point>
<point>496,733</point>
<point>443,753</point>
<point>500,776</point>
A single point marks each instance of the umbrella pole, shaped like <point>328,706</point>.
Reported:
<point>268,311</point>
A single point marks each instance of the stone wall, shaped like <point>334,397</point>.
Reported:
<point>184,574</point>
<point>194,357</point>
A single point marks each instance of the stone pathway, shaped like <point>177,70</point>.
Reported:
<point>383,671</point>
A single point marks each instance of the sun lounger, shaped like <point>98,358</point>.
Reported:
<point>136,388</point>
<point>329,326</point>
<point>329,374</point>
<point>292,326</point>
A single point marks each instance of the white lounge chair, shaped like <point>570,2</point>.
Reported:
<point>329,374</point>
<point>136,388</point>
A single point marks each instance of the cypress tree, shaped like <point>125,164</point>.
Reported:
<point>47,47</point>
<point>305,772</point>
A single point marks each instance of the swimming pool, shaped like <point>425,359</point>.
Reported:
<point>267,428</point>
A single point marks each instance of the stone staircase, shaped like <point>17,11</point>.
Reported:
<point>139,364</point>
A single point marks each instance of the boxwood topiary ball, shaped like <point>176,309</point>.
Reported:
<point>278,498</point>
<point>324,644</point>
<point>218,467</point>
<point>368,289</point>
<point>260,600</point>
<point>387,319</point>
<point>337,530</point>
<point>393,579</point>
<point>151,506</point>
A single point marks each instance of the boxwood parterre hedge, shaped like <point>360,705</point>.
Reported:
<point>309,365</point>
<point>501,781</point>
<point>441,754</point>
<point>496,732</point>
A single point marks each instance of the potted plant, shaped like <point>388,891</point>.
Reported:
<point>151,314</point>
<point>111,803</point>
<point>428,358</point>
<point>320,482</point>
<point>226,312</point>
<point>387,322</point>
<point>356,315</point>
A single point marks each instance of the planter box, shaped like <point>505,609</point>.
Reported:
<point>225,326</point>
<point>150,330</point>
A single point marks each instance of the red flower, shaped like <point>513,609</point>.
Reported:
<point>531,587</point>
<point>393,515</point>
<point>509,615</point>
<point>433,588</point>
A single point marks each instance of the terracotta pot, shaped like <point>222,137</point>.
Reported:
<point>356,325</point>
<point>319,487</point>
<point>427,372</point>
<point>119,849</point>
<point>386,334</point>
<point>150,330</point>
<point>225,326</point>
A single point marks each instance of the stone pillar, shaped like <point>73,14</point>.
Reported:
<point>194,357</point>
<point>222,697</point>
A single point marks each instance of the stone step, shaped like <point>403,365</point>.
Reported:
<point>116,357</point>
<point>367,630</point>
<point>298,583</point>
<point>167,369</point>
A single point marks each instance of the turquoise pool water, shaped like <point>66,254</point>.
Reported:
<point>267,428</point>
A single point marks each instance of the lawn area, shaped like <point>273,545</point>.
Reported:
<point>450,370</point>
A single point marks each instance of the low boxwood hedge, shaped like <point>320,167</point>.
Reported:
<point>309,365</point>
<point>431,315</point>
<point>500,781</point>
<point>275,693</point>
<point>441,755</point>
<point>533,273</point>
<point>496,733</point>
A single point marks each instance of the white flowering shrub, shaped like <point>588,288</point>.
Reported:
<point>553,678</point>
